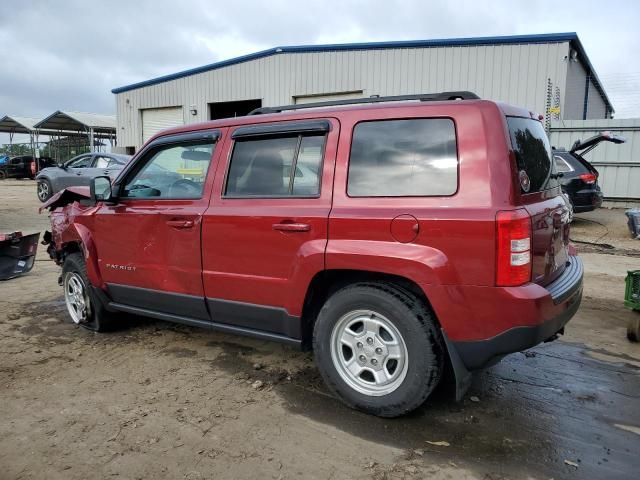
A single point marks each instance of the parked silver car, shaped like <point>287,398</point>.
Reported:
<point>78,172</point>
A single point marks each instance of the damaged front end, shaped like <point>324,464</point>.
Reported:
<point>17,253</point>
<point>64,207</point>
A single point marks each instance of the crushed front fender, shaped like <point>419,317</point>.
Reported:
<point>65,197</point>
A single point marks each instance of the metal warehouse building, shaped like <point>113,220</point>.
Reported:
<point>546,73</point>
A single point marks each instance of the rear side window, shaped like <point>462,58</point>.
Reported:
<point>403,158</point>
<point>263,167</point>
<point>533,154</point>
<point>561,164</point>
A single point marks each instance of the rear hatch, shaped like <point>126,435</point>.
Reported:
<point>541,196</point>
<point>582,147</point>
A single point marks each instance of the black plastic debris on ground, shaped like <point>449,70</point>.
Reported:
<point>17,253</point>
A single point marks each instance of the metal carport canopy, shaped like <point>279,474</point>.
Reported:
<point>74,121</point>
<point>25,126</point>
<point>94,124</point>
<point>11,124</point>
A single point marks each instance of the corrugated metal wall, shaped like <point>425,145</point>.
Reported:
<point>512,73</point>
<point>619,165</point>
<point>574,95</point>
<point>574,92</point>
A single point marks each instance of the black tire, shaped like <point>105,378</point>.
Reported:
<point>415,323</point>
<point>44,191</point>
<point>98,319</point>
<point>3,175</point>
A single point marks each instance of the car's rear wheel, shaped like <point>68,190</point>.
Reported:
<point>84,309</point>
<point>378,348</point>
<point>3,175</point>
<point>44,190</point>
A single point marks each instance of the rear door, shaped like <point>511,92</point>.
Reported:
<point>540,195</point>
<point>265,232</point>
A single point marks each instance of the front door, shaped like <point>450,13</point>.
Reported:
<point>265,233</point>
<point>74,173</point>
<point>148,244</point>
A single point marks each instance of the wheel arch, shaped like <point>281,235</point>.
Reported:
<point>78,238</point>
<point>326,282</point>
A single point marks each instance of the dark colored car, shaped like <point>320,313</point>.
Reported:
<point>23,166</point>
<point>579,178</point>
<point>420,232</point>
<point>78,172</point>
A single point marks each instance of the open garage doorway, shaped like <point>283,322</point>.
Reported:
<point>232,109</point>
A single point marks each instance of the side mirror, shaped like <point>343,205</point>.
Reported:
<point>62,166</point>
<point>100,189</point>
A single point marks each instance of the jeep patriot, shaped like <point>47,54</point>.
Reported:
<point>398,237</point>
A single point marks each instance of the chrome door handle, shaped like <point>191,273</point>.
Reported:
<point>292,227</point>
<point>180,223</point>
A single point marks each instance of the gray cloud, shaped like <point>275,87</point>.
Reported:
<point>70,54</point>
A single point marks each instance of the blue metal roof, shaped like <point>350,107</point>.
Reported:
<point>448,42</point>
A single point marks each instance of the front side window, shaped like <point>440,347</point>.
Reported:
<point>402,158</point>
<point>171,172</point>
<point>263,167</point>
<point>82,162</point>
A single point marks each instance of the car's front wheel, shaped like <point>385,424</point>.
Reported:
<point>84,309</point>
<point>44,190</point>
<point>378,348</point>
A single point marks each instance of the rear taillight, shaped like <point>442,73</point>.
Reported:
<point>588,178</point>
<point>513,248</point>
<point>33,168</point>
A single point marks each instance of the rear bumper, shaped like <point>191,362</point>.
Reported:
<point>587,200</point>
<point>520,318</point>
<point>480,353</point>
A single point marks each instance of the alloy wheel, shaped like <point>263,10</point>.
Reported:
<point>369,352</point>
<point>75,296</point>
<point>43,191</point>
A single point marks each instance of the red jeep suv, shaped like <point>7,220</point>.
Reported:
<point>394,236</point>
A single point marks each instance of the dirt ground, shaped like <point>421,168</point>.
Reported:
<point>156,400</point>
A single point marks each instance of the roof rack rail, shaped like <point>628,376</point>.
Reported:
<point>423,97</point>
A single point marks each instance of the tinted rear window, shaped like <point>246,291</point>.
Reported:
<point>401,158</point>
<point>533,154</point>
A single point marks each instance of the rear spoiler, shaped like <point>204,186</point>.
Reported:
<point>590,143</point>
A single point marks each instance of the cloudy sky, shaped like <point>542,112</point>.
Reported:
<point>68,55</point>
